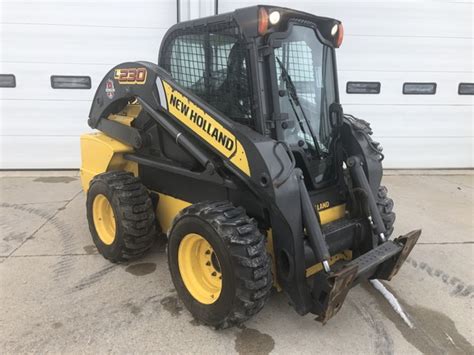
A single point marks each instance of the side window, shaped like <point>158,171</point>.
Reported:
<point>187,61</point>
<point>229,82</point>
<point>213,66</point>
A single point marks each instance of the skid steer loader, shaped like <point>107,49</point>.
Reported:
<point>235,148</point>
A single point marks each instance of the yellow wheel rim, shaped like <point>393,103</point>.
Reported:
<point>104,219</point>
<point>200,268</point>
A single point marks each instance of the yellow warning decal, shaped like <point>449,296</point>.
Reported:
<point>206,127</point>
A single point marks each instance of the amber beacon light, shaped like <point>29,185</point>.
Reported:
<point>262,21</point>
<point>339,33</point>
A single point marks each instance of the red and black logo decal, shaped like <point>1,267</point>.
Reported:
<point>109,88</point>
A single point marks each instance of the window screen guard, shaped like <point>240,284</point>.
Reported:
<point>212,64</point>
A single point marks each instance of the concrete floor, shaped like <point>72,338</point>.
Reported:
<point>58,295</point>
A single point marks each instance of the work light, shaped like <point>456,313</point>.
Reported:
<point>274,17</point>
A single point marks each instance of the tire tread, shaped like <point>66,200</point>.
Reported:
<point>385,205</point>
<point>247,248</point>
<point>136,209</point>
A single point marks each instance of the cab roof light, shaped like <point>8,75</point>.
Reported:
<point>274,17</point>
<point>262,21</point>
<point>339,34</point>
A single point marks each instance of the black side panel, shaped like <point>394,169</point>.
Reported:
<point>180,186</point>
<point>123,83</point>
<point>174,152</point>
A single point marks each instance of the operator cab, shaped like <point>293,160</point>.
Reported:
<point>275,74</point>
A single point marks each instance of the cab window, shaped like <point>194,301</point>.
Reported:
<point>214,67</point>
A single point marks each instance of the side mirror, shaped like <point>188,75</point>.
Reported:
<point>336,115</point>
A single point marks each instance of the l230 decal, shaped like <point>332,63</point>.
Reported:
<point>131,76</point>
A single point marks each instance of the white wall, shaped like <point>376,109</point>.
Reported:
<point>390,42</point>
<point>40,126</point>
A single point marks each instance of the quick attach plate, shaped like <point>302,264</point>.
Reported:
<point>340,283</point>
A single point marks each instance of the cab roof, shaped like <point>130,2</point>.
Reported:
<point>247,20</point>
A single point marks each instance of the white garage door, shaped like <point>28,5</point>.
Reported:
<point>40,126</point>
<point>393,43</point>
<point>390,43</point>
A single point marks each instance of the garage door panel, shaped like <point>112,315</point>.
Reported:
<point>416,121</point>
<point>391,91</point>
<point>384,18</point>
<point>422,19</point>
<point>33,81</point>
<point>76,44</point>
<point>429,153</point>
<point>118,13</point>
<point>405,54</point>
<point>39,152</point>
<point>43,118</point>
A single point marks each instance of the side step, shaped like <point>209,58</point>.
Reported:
<point>383,262</point>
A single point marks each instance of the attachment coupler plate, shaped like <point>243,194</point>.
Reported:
<point>382,262</point>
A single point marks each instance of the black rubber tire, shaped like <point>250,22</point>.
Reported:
<point>136,227</point>
<point>244,262</point>
<point>385,205</point>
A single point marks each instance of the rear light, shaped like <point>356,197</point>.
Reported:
<point>262,21</point>
<point>340,35</point>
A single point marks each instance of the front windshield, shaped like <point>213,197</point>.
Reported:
<point>309,65</point>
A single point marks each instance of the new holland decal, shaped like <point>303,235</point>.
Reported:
<point>204,125</point>
<point>131,76</point>
<point>322,205</point>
